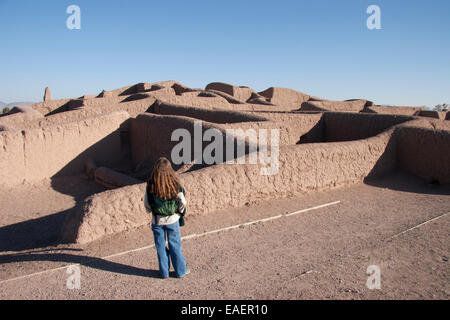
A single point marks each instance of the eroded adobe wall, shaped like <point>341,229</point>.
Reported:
<point>150,136</point>
<point>104,98</point>
<point>35,154</point>
<point>216,116</point>
<point>133,108</point>
<point>46,107</point>
<point>226,96</point>
<point>356,105</point>
<point>19,115</point>
<point>194,101</point>
<point>63,105</point>
<point>305,128</point>
<point>302,168</point>
<point>406,111</point>
<point>355,126</point>
<point>284,96</point>
<point>431,114</point>
<point>424,151</point>
<point>238,93</point>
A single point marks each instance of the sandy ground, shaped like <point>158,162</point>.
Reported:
<point>31,214</point>
<point>320,254</point>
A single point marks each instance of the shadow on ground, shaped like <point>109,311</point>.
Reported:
<point>402,181</point>
<point>32,234</point>
<point>45,231</point>
<point>92,262</point>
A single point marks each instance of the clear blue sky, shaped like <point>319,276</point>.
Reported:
<point>316,46</point>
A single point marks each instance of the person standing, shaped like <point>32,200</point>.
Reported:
<point>164,198</point>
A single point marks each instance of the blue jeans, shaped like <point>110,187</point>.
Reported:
<point>174,250</point>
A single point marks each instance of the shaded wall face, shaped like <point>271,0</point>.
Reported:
<point>37,154</point>
<point>151,138</point>
<point>305,128</point>
<point>348,127</point>
<point>424,153</point>
<point>150,134</point>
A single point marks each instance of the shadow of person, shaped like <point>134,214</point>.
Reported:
<point>92,262</point>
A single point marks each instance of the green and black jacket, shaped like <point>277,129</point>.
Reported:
<point>165,207</point>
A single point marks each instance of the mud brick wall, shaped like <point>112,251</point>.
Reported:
<point>35,154</point>
<point>303,168</point>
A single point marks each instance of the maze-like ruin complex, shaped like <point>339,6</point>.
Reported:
<point>116,136</point>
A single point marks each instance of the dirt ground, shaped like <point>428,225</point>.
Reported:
<point>319,254</point>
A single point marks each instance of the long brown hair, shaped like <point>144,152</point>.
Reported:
<point>163,181</point>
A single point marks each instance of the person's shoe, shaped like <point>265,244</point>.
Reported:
<point>186,273</point>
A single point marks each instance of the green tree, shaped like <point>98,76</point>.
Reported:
<point>6,110</point>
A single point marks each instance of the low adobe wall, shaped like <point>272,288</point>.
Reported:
<point>150,136</point>
<point>284,96</point>
<point>216,116</point>
<point>239,93</point>
<point>150,133</point>
<point>226,96</point>
<point>342,106</point>
<point>19,115</point>
<point>406,111</point>
<point>292,130</point>
<point>332,126</point>
<point>136,88</point>
<point>133,108</point>
<point>46,107</point>
<point>36,154</point>
<point>302,168</point>
<point>355,126</point>
<point>424,151</point>
<point>432,114</point>
<point>217,102</point>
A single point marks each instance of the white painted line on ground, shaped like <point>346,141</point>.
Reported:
<point>129,251</point>
<point>191,236</point>
<point>421,224</point>
<point>264,220</point>
<point>37,273</point>
<point>301,275</point>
